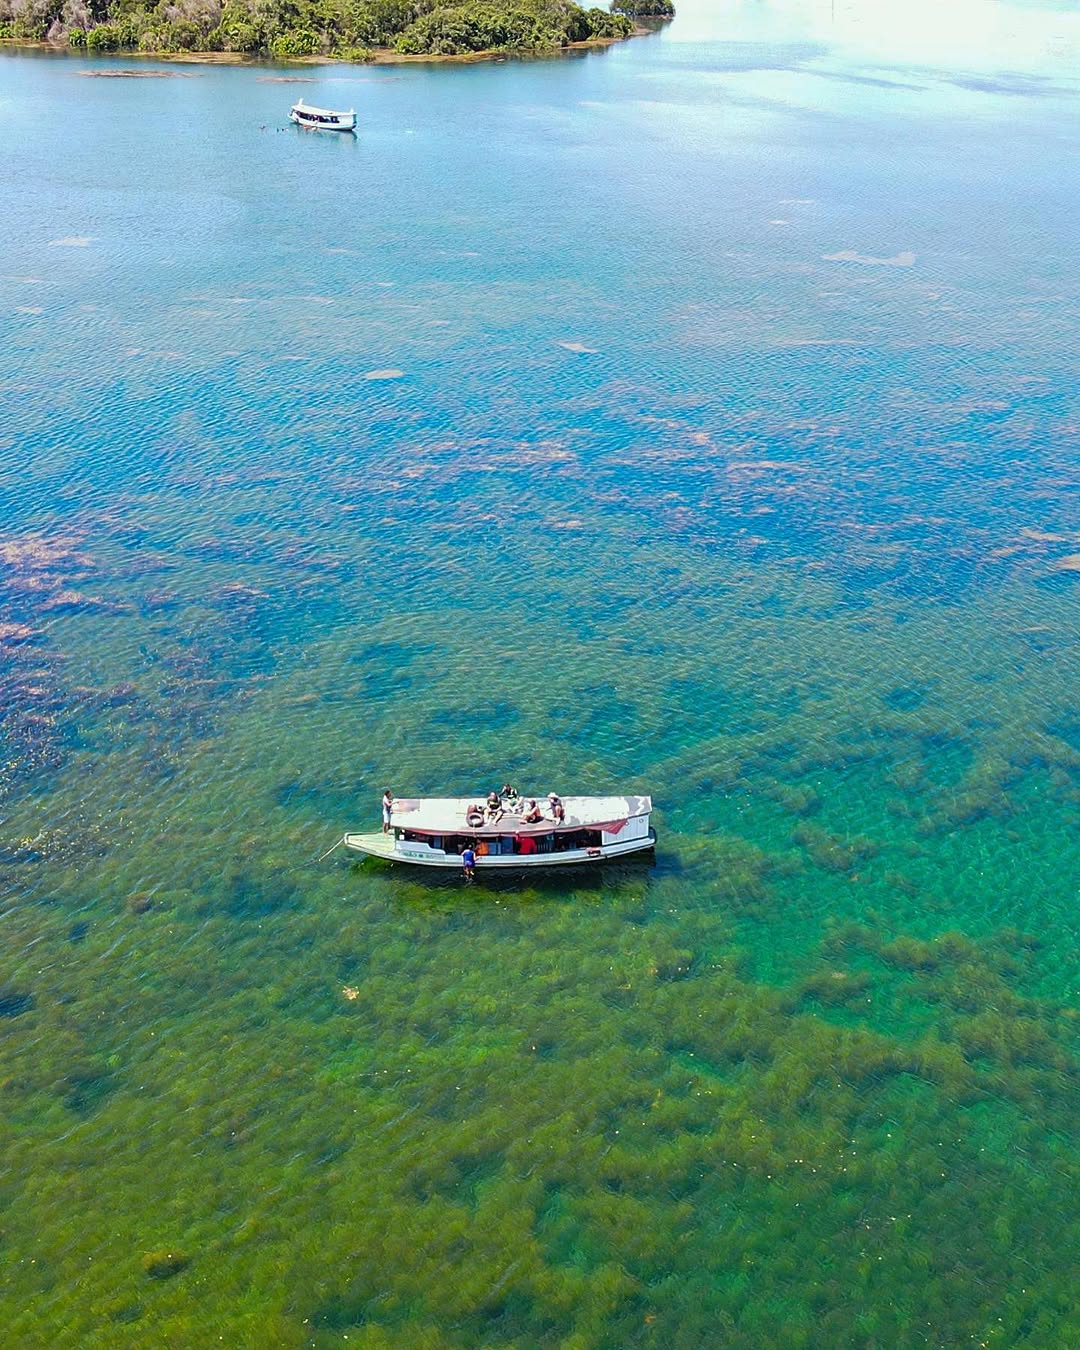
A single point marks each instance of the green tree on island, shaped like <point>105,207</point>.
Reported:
<point>644,9</point>
<point>346,29</point>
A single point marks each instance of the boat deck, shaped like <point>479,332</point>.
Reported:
<point>448,815</point>
<point>378,845</point>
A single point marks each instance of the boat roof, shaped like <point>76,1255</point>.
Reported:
<point>301,106</point>
<point>446,815</point>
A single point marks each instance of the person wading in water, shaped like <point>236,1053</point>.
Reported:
<point>468,862</point>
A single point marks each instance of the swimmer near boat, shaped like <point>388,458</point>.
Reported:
<point>509,833</point>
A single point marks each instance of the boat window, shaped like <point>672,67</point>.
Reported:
<point>568,840</point>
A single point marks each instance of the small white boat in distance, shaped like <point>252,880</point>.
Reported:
<point>433,831</point>
<point>322,119</point>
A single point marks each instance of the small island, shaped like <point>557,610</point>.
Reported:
<point>343,30</point>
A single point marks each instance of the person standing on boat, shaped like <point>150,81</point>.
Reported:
<point>468,862</point>
<point>387,807</point>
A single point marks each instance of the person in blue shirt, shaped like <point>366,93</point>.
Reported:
<point>468,862</point>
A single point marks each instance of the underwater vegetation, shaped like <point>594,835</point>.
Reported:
<point>817,1047</point>
<point>706,501</point>
<point>531,1117</point>
<point>829,1039</point>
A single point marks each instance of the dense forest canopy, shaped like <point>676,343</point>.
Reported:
<point>348,29</point>
<point>644,9</point>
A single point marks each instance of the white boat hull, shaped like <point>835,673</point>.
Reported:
<point>340,122</point>
<point>416,854</point>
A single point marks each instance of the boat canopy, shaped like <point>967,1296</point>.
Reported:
<point>319,114</point>
<point>450,815</point>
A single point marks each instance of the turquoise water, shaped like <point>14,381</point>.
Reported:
<point>695,416</point>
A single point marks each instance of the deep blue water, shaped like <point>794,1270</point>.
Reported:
<point>696,416</point>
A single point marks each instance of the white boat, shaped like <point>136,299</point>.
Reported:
<point>433,832</point>
<point>322,119</point>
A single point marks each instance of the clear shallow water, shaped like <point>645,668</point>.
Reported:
<point>309,486</point>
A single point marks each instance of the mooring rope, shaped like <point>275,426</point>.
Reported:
<point>331,849</point>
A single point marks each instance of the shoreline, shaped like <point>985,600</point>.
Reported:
<point>381,56</point>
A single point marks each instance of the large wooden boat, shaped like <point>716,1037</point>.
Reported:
<point>321,119</point>
<point>434,831</point>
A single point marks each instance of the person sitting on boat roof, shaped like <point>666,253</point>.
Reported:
<point>508,793</point>
<point>494,810</point>
<point>532,815</point>
<point>558,811</point>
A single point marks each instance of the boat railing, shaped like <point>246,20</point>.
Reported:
<point>507,844</point>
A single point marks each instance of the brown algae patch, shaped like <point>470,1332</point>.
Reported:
<point>15,634</point>
<point>36,562</point>
<point>138,74</point>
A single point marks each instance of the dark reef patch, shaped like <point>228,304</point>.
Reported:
<point>249,891</point>
<point>353,1308</point>
<point>165,1263</point>
<point>489,716</point>
<point>390,654</point>
<point>15,1002</point>
<point>384,684</point>
<point>84,1089</point>
<point>905,698</point>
